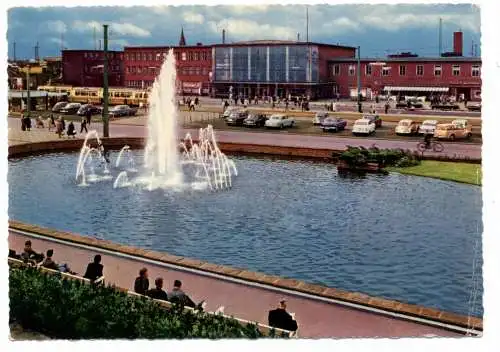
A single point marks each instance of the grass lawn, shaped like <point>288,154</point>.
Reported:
<point>458,172</point>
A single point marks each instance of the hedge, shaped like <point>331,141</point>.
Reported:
<point>359,156</point>
<point>69,309</point>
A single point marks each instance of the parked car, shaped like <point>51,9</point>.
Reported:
<point>333,124</point>
<point>95,110</point>
<point>59,106</point>
<point>454,130</point>
<point>428,127</point>
<point>445,106</point>
<point>407,127</point>
<point>375,118</point>
<point>474,107</point>
<point>237,117</point>
<point>363,126</point>
<point>319,117</point>
<point>122,110</point>
<point>279,121</point>
<point>255,120</point>
<point>228,111</point>
<point>71,108</point>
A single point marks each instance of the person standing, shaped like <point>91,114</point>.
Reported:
<point>88,115</point>
<point>141,284</point>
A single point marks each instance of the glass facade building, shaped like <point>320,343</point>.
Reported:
<point>267,64</point>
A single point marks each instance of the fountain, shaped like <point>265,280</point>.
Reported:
<point>167,163</point>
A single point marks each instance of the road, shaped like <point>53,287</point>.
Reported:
<point>121,129</point>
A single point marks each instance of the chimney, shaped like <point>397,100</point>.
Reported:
<point>458,43</point>
<point>223,36</point>
<point>298,37</point>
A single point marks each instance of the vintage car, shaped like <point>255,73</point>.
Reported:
<point>122,110</point>
<point>229,110</point>
<point>474,107</point>
<point>375,119</point>
<point>255,120</point>
<point>428,127</point>
<point>407,127</point>
<point>237,117</point>
<point>71,108</point>
<point>59,106</point>
<point>95,110</point>
<point>333,124</point>
<point>445,106</point>
<point>363,126</point>
<point>319,117</point>
<point>458,129</point>
<point>279,121</point>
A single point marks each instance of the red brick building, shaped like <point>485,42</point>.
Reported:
<point>194,65</point>
<point>84,68</point>
<point>451,74</point>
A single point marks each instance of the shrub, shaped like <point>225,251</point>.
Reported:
<point>359,156</point>
<point>69,309</point>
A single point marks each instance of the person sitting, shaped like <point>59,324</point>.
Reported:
<point>30,255</point>
<point>71,130</point>
<point>94,269</point>
<point>39,122</point>
<point>157,292</point>
<point>48,262</point>
<point>281,319</point>
<point>427,140</point>
<point>13,254</point>
<point>141,283</point>
<point>177,296</point>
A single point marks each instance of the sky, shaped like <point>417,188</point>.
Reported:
<point>378,29</point>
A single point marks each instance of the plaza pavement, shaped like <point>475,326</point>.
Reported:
<point>137,127</point>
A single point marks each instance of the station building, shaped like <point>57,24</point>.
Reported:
<point>275,68</point>
<point>84,68</point>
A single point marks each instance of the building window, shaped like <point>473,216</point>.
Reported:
<point>386,71</point>
<point>437,70</point>
<point>150,57</point>
<point>184,56</point>
<point>336,70</point>
<point>402,70</point>
<point>196,56</point>
<point>368,70</point>
<point>126,56</point>
<point>352,70</point>
<point>420,70</point>
<point>139,69</point>
<point>476,71</point>
<point>144,57</point>
<point>455,70</point>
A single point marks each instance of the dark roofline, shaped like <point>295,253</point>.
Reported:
<point>410,59</point>
<point>163,47</point>
<point>89,51</point>
<point>284,42</point>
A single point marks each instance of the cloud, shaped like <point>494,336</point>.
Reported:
<point>54,26</point>
<point>122,29</point>
<point>192,17</point>
<point>245,29</point>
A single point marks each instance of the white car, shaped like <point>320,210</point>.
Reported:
<point>279,121</point>
<point>428,127</point>
<point>407,127</point>
<point>363,126</point>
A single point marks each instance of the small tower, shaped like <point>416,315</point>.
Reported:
<point>182,41</point>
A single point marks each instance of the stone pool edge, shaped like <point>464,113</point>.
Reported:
<point>256,277</point>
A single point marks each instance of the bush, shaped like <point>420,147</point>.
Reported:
<point>359,156</point>
<point>68,309</point>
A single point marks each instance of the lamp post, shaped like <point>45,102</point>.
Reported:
<point>28,85</point>
<point>105,115</point>
<point>359,80</point>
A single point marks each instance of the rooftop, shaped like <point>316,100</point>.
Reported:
<point>407,59</point>
<point>280,42</point>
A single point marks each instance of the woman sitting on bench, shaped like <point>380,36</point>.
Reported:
<point>71,130</point>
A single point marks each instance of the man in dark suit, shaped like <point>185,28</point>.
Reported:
<point>94,270</point>
<point>157,292</point>
<point>141,283</point>
<point>281,319</point>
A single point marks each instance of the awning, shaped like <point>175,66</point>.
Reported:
<point>416,89</point>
